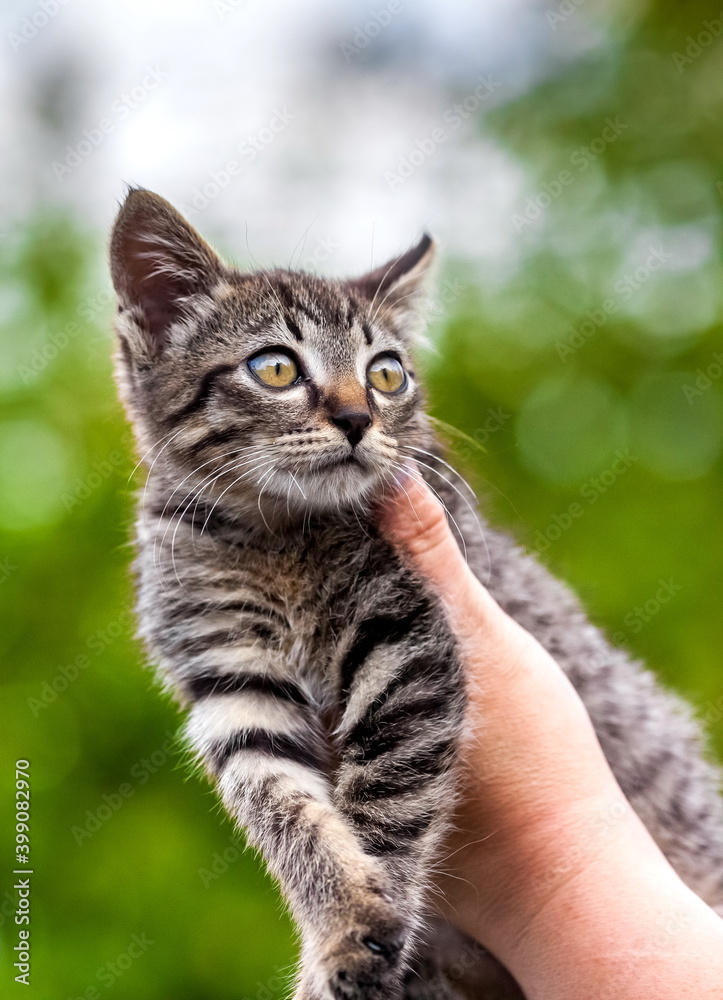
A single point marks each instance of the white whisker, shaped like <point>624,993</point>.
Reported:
<point>143,457</point>
<point>437,458</point>
<point>183,512</point>
<point>447,511</point>
<point>223,493</point>
<point>197,490</point>
<point>266,476</point>
<point>295,481</point>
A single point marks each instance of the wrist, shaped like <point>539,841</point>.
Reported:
<point>523,862</point>
<point>625,929</point>
<point>595,910</point>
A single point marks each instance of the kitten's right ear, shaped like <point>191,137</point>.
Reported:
<point>158,262</point>
<point>397,289</point>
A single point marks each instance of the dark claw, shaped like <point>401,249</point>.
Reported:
<point>390,950</point>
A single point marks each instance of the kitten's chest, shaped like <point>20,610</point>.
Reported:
<point>325,585</point>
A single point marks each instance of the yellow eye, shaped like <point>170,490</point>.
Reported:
<point>274,368</point>
<point>386,374</point>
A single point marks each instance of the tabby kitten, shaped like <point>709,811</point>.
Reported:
<point>325,693</point>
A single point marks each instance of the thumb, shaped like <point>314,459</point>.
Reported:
<point>414,521</point>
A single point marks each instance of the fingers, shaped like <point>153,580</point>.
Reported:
<point>414,521</point>
<point>494,646</point>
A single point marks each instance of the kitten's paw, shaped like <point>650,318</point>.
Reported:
<point>364,959</point>
<point>369,964</point>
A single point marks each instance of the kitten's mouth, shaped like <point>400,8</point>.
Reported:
<point>351,459</point>
<point>332,481</point>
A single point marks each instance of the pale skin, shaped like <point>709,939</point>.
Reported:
<point>549,866</point>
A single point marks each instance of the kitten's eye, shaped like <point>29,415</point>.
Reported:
<point>274,368</point>
<point>387,374</point>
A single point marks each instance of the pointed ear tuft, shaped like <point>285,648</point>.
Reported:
<point>397,289</point>
<point>158,263</point>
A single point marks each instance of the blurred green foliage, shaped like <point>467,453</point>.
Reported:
<point>592,380</point>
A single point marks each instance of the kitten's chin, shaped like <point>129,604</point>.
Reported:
<point>345,484</point>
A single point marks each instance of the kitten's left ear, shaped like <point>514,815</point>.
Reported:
<point>398,288</point>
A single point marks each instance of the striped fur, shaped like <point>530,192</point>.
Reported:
<point>323,687</point>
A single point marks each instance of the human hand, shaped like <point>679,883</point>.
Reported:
<point>549,867</point>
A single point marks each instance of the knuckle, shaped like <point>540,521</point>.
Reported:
<point>431,536</point>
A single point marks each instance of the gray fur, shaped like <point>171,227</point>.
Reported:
<point>323,683</point>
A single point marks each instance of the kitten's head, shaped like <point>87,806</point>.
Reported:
<point>271,388</point>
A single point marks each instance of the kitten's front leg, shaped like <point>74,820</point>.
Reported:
<point>260,738</point>
<point>400,729</point>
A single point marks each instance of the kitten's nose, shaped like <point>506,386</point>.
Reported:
<point>353,422</point>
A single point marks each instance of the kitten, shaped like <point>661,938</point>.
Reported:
<point>324,690</point>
